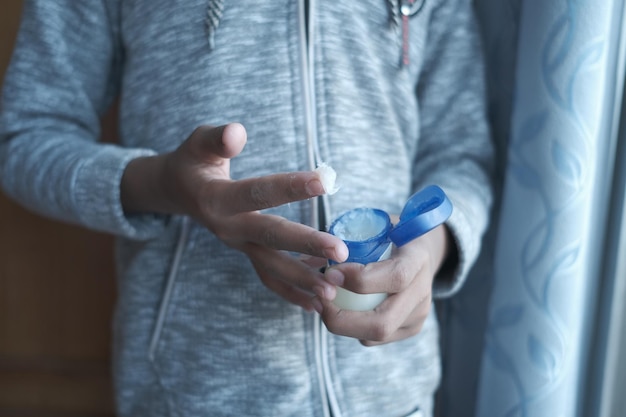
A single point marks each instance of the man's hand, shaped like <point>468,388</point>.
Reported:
<point>194,180</point>
<point>407,277</point>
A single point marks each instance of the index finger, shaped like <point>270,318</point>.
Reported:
<point>278,233</point>
<point>253,194</point>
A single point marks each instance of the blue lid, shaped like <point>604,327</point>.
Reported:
<point>370,247</point>
<point>424,211</point>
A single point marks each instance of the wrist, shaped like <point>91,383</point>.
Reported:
<point>440,246</point>
<point>448,259</point>
<point>141,188</point>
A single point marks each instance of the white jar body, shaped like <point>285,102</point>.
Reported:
<point>348,300</point>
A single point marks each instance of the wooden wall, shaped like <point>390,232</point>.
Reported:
<point>56,296</point>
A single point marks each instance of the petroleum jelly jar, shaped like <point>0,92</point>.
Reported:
<point>370,236</point>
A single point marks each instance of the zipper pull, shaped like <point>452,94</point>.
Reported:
<point>405,11</point>
<point>408,8</point>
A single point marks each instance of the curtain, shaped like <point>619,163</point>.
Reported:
<point>516,341</point>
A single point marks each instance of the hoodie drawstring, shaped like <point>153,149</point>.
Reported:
<point>215,8</point>
<point>214,12</point>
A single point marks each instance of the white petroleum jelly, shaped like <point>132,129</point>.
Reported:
<point>359,225</point>
<point>328,177</point>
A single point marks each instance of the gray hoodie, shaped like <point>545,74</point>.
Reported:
<point>195,331</point>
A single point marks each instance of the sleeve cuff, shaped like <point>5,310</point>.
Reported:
<point>466,237</point>
<point>97,195</point>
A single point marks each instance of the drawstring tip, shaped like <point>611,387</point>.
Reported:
<point>215,8</point>
<point>405,38</point>
<point>408,8</point>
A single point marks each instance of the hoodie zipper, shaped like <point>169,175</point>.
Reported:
<point>320,207</point>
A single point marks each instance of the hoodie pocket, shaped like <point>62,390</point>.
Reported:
<point>183,237</point>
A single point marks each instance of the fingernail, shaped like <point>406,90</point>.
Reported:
<point>334,277</point>
<point>325,291</point>
<point>314,187</point>
<point>342,253</point>
<point>338,254</point>
<point>320,291</point>
<point>317,305</point>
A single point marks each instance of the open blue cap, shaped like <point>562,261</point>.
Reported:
<point>368,249</point>
<point>424,211</point>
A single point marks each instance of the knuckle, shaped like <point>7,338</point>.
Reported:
<point>425,302</point>
<point>270,238</point>
<point>354,278</point>
<point>259,196</point>
<point>332,322</point>
<point>380,331</point>
<point>401,277</point>
<point>312,243</point>
<point>292,191</point>
<point>309,247</point>
<point>270,235</point>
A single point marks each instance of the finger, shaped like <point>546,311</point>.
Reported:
<point>273,266</point>
<point>393,275</point>
<point>253,194</point>
<point>362,325</point>
<point>278,233</point>
<point>382,323</point>
<point>387,276</point>
<point>289,293</point>
<point>411,326</point>
<point>314,261</point>
<point>215,144</point>
<point>401,334</point>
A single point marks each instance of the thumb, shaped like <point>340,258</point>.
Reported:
<point>214,144</point>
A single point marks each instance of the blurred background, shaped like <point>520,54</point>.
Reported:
<point>57,292</point>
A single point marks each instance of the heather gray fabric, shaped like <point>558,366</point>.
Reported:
<point>227,345</point>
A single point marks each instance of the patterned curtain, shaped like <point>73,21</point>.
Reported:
<point>516,341</point>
